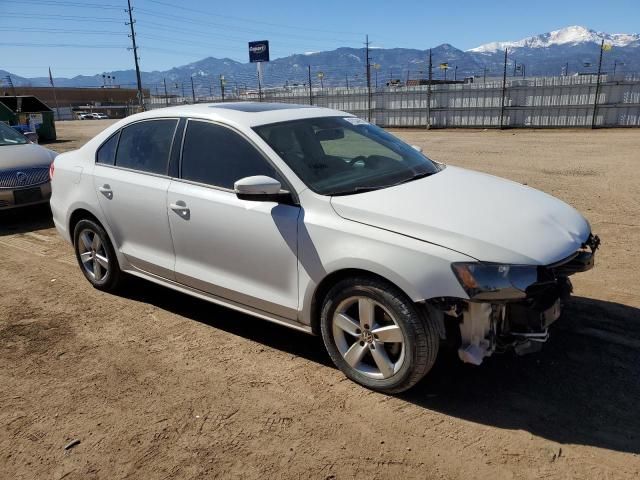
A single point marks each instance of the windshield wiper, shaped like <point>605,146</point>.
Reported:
<point>357,190</point>
<point>380,187</point>
<point>417,176</point>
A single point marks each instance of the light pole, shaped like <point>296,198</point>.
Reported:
<point>444,67</point>
<point>376,67</point>
<point>223,82</point>
<point>615,65</point>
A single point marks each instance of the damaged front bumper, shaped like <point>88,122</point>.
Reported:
<point>514,308</point>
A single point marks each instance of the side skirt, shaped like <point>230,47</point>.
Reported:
<point>221,301</point>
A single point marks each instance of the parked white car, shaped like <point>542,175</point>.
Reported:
<point>24,170</point>
<point>317,220</point>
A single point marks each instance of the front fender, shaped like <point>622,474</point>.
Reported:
<point>331,244</point>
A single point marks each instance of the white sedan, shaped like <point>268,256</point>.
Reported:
<point>319,221</point>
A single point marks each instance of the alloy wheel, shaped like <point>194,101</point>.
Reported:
<point>368,337</point>
<point>93,254</point>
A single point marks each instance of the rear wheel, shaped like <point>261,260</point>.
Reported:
<point>96,256</point>
<point>376,335</point>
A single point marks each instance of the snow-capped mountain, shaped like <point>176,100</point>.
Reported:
<point>573,35</point>
<point>575,49</point>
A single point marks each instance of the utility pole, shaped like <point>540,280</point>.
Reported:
<point>595,100</point>
<point>193,91</point>
<point>166,97</point>
<point>135,54</point>
<point>55,97</point>
<point>222,82</point>
<point>346,78</point>
<point>310,86</point>
<point>484,75</point>
<point>455,73</point>
<point>504,88</point>
<point>515,64</point>
<point>366,43</point>
<point>429,92</point>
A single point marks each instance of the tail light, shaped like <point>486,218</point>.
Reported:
<point>51,170</point>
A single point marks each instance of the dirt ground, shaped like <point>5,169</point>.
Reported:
<point>155,384</point>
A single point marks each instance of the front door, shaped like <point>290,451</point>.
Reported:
<point>241,250</point>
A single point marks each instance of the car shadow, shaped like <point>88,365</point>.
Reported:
<point>582,388</point>
<point>231,321</point>
<point>54,142</point>
<point>25,219</point>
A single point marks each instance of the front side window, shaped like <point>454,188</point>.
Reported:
<point>145,146</point>
<point>218,156</point>
<point>8,136</point>
<point>341,156</point>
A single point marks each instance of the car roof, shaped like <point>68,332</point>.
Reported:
<point>248,114</point>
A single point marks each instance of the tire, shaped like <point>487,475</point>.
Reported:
<point>368,352</point>
<point>95,254</point>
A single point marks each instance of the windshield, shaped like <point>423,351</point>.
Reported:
<point>8,136</point>
<point>342,156</point>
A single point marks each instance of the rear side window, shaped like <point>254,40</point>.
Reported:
<point>107,152</point>
<point>145,146</point>
<point>219,156</point>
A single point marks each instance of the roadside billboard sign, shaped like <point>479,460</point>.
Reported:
<point>259,51</point>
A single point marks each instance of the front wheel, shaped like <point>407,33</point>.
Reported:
<point>96,255</point>
<point>377,336</point>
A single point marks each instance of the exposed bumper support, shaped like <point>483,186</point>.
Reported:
<point>522,325</point>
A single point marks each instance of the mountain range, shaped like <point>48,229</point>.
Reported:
<point>546,54</point>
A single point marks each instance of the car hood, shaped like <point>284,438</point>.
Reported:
<point>486,217</point>
<point>23,156</point>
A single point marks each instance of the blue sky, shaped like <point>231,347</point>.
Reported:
<point>87,37</point>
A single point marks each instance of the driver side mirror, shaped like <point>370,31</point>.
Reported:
<point>261,188</point>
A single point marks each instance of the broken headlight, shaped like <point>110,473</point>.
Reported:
<point>495,282</point>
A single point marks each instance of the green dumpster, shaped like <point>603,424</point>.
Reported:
<point>29,110</point>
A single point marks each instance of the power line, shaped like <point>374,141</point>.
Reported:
<point>182,19</point>
<point>187,42</point>
<point>58,30</point>
<point>59,45</point>
<point>191,33</point>
<point>29,16</point>
<point>71,4</point>
<point>203,12</point>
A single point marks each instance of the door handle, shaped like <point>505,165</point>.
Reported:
<point>180,208</point>
<point>106,191</point>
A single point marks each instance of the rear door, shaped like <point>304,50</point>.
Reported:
<point>131,180</point>
<point>244,251</point>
